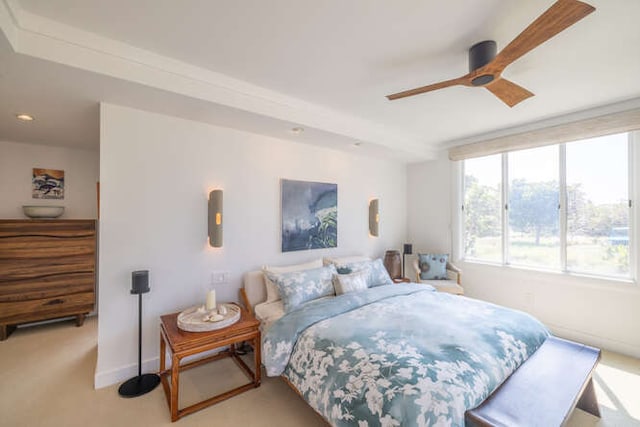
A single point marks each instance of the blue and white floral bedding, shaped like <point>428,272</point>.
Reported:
<point>399,355</point>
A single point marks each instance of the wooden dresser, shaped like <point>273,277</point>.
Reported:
<point>47,271</point>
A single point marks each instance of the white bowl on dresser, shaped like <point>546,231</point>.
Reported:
<point>43,211</point>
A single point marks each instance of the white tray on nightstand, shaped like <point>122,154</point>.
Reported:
<point>193,319</point>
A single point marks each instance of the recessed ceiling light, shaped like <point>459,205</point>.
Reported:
<point>297,130</point>
<point>24,117</point>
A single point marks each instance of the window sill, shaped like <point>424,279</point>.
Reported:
<point>570,274</point>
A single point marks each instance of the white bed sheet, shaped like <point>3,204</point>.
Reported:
<point>268,312</point>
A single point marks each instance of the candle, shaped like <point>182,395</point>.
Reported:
<point>211,300</point>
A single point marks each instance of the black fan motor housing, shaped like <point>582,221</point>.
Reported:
<point>480,54</point>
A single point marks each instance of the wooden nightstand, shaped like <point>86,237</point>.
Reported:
<point>182,344</point>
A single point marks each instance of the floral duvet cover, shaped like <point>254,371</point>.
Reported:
<point>399,355</point>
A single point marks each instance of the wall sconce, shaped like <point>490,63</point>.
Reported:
<point>374,217</point>
<point>215,218</point>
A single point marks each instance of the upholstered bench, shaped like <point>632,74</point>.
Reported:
<point>562,370</point>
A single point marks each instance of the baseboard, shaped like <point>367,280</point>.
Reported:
<point>596,341</point>
<point>118,375</point>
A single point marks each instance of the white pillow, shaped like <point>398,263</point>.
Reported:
<point>272,289</point>
<point>356,281</point>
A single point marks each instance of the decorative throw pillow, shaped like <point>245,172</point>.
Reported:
<point>298,287</point>
<point>433,266</point>
<point>272,289</point>
<point>377,274</point>
<point>345,283</point>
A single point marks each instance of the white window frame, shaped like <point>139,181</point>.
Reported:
<point>634,213</point>
<point>633,156</point>
<point>505,209</point>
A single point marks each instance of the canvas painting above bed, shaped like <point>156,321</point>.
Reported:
<point>309,215</point>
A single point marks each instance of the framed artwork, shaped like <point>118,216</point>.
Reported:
<point>309,215</point>
<point>47,184</point>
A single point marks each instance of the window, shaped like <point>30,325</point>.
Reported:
<point>482,209</point>
<point>598,206</point>
<point>534,216</point>
<point>565,207</point>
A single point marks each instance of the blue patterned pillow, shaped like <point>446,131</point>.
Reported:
<point>378,275</point>
<point>298,287</point>
<point>433,266</point>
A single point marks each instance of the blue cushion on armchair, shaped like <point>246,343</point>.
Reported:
<point>433,266</point>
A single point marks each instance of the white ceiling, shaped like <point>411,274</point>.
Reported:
<point>266,66</point>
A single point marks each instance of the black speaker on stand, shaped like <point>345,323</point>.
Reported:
<point>407,250</point>
<point>141,384</point>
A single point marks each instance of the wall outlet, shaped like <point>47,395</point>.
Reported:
<point>219,277</point>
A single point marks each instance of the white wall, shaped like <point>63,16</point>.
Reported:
<point>598,312</point>
<point>429,207</point>
<point>155,174</point>
<point>593,311</point>
<point>17,161</point>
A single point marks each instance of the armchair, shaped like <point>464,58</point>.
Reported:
<point>452,285</point>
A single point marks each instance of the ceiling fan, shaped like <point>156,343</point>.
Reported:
<point>485,67</point>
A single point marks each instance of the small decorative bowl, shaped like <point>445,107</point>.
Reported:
<point>43,211</point>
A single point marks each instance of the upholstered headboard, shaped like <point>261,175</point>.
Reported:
<point>254,288</point>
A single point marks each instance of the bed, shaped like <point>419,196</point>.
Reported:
<point>405,355</point>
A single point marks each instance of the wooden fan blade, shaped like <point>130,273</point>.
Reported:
<point>508,92</point>
<point>560,16</point>
<point>428,88</point>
